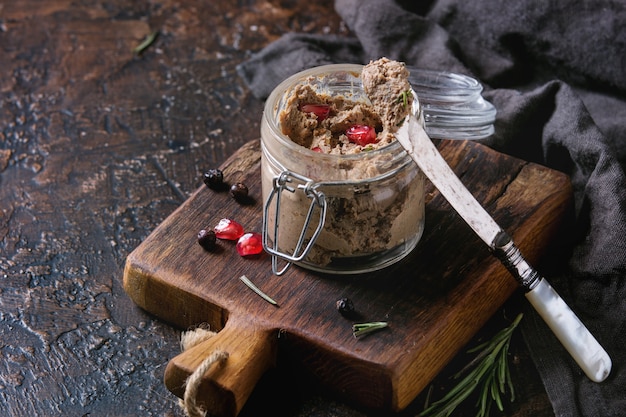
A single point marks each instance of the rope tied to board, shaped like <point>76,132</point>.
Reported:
<point>188,340</point>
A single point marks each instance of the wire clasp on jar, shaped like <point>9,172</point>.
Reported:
<point>289,181</point>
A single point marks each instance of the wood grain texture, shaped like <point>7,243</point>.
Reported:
<point>97,147</point>
<point>435,300</point>
<point>226,386</point>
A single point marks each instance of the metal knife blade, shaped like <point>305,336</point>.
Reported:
<point>416,142</point>
<point>567,327</point>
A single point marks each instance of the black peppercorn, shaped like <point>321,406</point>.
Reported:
<point>239,191</point>
<point>207,239</point>
<point>214,179</point>
<point>345,306</point>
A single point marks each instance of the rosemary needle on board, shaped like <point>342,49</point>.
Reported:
<point>363,329</point>
<point>256,289</point>
<point>146,43</point>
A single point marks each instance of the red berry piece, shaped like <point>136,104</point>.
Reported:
<point>317,149</point>
<point>228,230</point>
<point>320,110</point>
<point>250,244</point>
<point>361,135</point>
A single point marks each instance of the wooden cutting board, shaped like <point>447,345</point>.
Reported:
<point>434,300</point>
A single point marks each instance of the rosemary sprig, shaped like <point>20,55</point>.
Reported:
<point>256,289</point>
<point>489,372</point>
<point>363,329</point>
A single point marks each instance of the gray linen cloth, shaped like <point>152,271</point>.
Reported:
<point>556,73</point>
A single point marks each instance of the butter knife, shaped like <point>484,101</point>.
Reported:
<point>567,327</point>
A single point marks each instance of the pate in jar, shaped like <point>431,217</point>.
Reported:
<point>340,194</point>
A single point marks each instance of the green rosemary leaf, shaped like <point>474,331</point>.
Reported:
<point>146,43</point>
<point>363,329</point>
<point>471,379</point>
<point>446,405</point>
<point>482,400</point>
<point>254,288</point>
<point>496,396</point>
<point>487,411</point>
<point>483,348</point>
<point>493,389</point>
<point>509,383</point>
<point>502,370</point>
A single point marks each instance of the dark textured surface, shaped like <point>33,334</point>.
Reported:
<point>97,147</point>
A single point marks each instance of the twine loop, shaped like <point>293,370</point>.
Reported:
<point>188,340</point>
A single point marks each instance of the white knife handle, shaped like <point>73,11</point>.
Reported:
<point>570,331</point>
<point>567,327</point>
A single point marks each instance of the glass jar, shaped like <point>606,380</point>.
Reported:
<point>452,105</point>
<point>340,214</point>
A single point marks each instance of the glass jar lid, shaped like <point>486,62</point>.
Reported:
<point>452,105</point>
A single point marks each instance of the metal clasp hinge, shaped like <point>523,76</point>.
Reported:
<point>289,181</point>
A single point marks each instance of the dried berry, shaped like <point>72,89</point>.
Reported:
<point>214,178</point>
<point>207,239</point>
<point>361,135</point>
<point>250,244</point>
<point>345,306</point>
<point>239,191</point>
<point>228,229</point>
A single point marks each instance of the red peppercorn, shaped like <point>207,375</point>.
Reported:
<point>250,244</point>
<point>228,229</point>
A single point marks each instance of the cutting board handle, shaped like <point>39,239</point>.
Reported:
<point>227,384</point>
